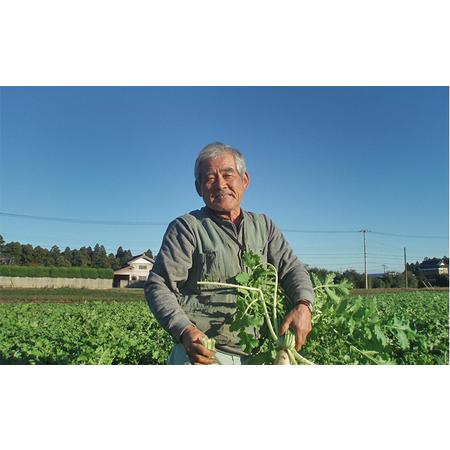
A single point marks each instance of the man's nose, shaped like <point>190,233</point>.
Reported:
<point>219,182</point>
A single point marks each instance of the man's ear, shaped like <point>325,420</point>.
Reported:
<point>245,180</point>
<point>198,188</point>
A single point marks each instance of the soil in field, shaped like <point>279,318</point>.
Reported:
<point>72,295</point>
<point>69,295</point>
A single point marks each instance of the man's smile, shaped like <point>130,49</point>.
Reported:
<point>220,196</point>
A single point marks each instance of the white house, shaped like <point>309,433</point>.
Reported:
<point>134,273</point>
<point>433,269</point>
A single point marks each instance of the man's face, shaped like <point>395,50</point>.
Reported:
<point>221,186</point>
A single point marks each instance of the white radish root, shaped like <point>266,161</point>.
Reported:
<point>282,358</point>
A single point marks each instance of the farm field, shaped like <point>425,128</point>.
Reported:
<point>69,295</point>
<point>80,326</point>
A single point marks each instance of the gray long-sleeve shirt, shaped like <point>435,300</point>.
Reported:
<point>199,245</point>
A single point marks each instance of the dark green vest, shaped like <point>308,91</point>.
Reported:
<point>218,257</point>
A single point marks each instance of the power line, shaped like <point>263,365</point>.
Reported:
<point>95,222</point>
<point>319,231</point>
<point>385,254</point>
<point>332,254</point>
<point>408,235</point>
<point>376,243</point>
<point>151,223</point>
<point>340,264</point>
<point>142,223</point>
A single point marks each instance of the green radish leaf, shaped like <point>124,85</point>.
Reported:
<point>331,294</point>
<point>248,341</point>
<point>341,307</point>
<point>251,259</point>
<point>380,335</point>
<point>402,339</point>
<point>243,278</point>
<point>330,278</point>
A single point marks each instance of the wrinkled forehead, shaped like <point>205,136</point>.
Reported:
<point>221,163</point>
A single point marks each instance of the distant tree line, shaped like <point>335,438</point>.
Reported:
<point>27,255</point>
<point>7,270</point>
<point>416,278</point>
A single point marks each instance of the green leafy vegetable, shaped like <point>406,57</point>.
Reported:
<point>261,305</point>
<point>81,326</point>
<point>359,333</point>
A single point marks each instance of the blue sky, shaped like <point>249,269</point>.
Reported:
<point>319,159</point>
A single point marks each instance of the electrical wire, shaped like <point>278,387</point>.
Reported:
<point>408,235</point>
<point>151,223</point>
<point>94,222</point>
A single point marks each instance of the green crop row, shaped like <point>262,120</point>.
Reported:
<point>97,332</point>
<point>414,328</point>
<point>68,295</point>
<point>428,316</point>
<point>86,333</point>
<point>55,272</point>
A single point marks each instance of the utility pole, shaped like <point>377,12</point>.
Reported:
<point>406,267</point>
<point>384,269</point>
<point>365,257</point>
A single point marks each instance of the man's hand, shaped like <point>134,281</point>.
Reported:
<point>197,353</point>
<point>299,321</point>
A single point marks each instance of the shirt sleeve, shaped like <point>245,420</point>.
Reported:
<point>170,272</point>
<point>292,273</point>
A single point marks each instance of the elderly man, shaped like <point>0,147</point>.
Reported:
<point>208,244</point>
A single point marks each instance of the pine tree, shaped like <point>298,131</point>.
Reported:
<point>68,256</point>
<point>99,257</point>
<point>55,253</point>
<point>125,257</point>
<point>149,254</point>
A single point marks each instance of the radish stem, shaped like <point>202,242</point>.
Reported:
<point>248,288</point>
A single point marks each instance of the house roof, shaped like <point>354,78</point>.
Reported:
<point>135,258</point>
<point>143,255</point>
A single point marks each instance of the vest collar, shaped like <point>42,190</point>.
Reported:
<point>212,215</point>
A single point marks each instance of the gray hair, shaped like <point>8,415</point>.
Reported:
<point>216,149</point>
